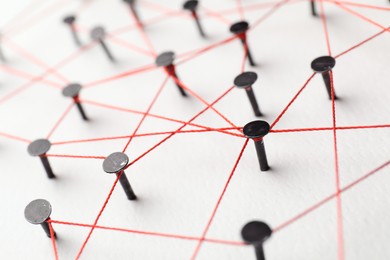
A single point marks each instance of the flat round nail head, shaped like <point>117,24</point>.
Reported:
<point>323,64</point>
<point>256,129</point>
<point>69,19</point>
<point>37,211</point>
<point>256,232</point>
<point>191,5</point>
<point>245,79</point>
<point>39,147</point>
<point>71,90</point>
<point>115,162</point>
<point>131,2</point>
<point>165,59</point>
<point>98,33</point>
<point>239,27</point>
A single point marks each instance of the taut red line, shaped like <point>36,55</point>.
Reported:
<point>147,112</point>
<point>329,198</point>
<point>215,209</point>
<point>180,128</point>
<point>152,115</point>
<point>340,231</point>
<point>149,233</point>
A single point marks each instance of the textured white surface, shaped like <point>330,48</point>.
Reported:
<point>178,184</point>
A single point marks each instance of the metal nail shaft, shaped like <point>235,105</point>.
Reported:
<point>46,228</point>
<point>106,50</point>
<point>47,167</point>
<point>248,52</point>
<point>2,58</point>
<point>326,78</point>
<point>126,186</point>
<point>313,8</point>
<point>80,108</point>
<point>75,35</point>
<point>172,72</point>
<point>259,252</point>
<point>252,99</point>
<point>262,157</point>
<point>198,24</point>
<point>134,12</point>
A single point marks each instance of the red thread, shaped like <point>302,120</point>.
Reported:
<point>75,156</point>
<point>359,5</point>
<point>44,74</point>
<point>219,202</point>
<point>257,139</point>
<point>361,43</point>
<point>22,14</point>
<point>328,128</point>
<point>26,75</point>
<point>156,6</point>
<point>186,57</point>
<point>14,137</point>
<point>150,21</point>
<point>83,6</point>
<point>202,100</point>
<point>254,7</point>
<point>216,15</point>
<point>129,46</point>
<point>147,111</point>
<point>359,15</point>
<point>142,113</point>
<point>168,137</point>
<point>340,232</point>
<point>98,216</point>
<point>142,33</point>
<point>196,53</point>
<point>292,101</point>
<point>143,232</point>
<point>240,9</point>
<point>325,26</point>
<point>64,114</point>
<point>328,198</point>
<point>32,58</point>
<point>53,239</point>
<point>119,76</point>
<point>144,154</point>
<point>219,130</point>
<point>37,18</point>
<point>269,13</point>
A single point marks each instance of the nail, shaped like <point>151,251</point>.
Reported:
<point>39,148</point>
<point>166,60</point>
<point>192,6</point>
<point>116,163</point>
<point>256,130</point>
<point>70,21</point>
<point>324,65</point>
<point>73,91</point>
<point>256,233</point>
<point>240,29</point>
<point>246,80</point>
<point>98,34</point>
<point>38,212</point>
<point>313,8</point>
<point>134,11</point>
